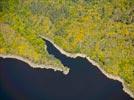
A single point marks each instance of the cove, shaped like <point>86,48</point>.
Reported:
<point>19,81</point>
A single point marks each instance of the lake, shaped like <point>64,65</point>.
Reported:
<point>19,81</point>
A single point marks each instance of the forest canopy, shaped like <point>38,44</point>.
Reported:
<point>100,29</point>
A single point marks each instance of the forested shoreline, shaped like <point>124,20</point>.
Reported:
<point>101,29</point>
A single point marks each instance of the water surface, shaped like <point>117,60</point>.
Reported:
<point>19,81</point>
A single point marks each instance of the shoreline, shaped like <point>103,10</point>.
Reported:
<point>43,66</point>
<point>33,65</point>
<point>110,76</point>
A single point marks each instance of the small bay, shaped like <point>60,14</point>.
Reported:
<point>19,81</point>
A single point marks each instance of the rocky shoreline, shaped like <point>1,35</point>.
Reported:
<point>33,65</point>
<point>125,88</point>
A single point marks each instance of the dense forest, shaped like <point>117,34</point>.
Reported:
<point>101,29</point>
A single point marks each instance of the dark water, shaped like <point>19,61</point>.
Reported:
<point>18,81</point>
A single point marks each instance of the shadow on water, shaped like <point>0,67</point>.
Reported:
<point>18,81</point>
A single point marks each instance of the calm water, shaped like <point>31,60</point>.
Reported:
<point>18,81</point>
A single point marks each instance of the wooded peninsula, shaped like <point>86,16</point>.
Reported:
<point>101,29</point>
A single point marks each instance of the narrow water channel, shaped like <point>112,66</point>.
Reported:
<point>19,81</point>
